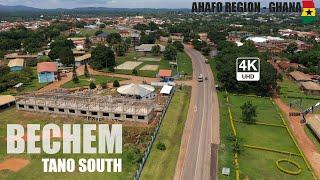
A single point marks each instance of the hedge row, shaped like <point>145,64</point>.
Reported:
<point>265,124</point>
<point>288,171</point>
<point>272,150</point>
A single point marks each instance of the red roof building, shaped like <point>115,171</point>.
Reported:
<point>47,67</point>
<point>165,73</point>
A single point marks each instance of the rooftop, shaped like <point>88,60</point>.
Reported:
<point>300,76</point>
<point>165,73</point>
<point>6,99</point>
<point>47,67</point>
<point>16,62</point>
<point>310,86</point>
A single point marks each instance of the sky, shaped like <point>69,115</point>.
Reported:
<point>49,4</point>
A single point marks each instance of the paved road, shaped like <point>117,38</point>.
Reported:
<point>203,119</point>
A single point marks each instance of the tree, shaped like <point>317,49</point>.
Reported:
<point>114,38</point>
<point>66,56</point>
<point>156,50</point>
<point>98,32</point>
<point>86,71</point>
<point>75,78</point>
<point>170,53</point>
<point>120,50</point>
<point>291,48</point>
<point>147,39</point>
<point>4,70</point>
<point>249,112</point>
<point>206,50</point>
<point>116,83</point>
<point>102,57</point>
<point>92,85</point>
<point>178,45</point>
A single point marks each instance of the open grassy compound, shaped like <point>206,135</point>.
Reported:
<point>147,65</point>
<point>264,143</point>
<point>290,92</point>
<point>161,163</point>
<point>83,81</point>
<point>29,166</point>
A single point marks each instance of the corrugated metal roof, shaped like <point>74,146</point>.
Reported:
<point>16,62</point>
<point>47,67</point>
<point>136,89</point>
<point>6,99</point>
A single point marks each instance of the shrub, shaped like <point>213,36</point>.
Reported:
<point>161,146</point>
<point>104,85</point>
<point>92,85</point>
<point>135,72</point>
<point>116,83</point>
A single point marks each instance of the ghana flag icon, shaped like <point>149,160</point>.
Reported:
<point>309,11</point>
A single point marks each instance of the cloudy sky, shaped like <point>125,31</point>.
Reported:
<point>113,3</point>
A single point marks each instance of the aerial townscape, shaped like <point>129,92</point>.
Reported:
<point>169,77</point>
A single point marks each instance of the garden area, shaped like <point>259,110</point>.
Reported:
<point>263,149</point>
<point>85,81</point>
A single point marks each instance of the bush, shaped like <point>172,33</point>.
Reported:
<point>116,83</point>
<point>135,72</point>
<point>92,85</point>
<point>161,146</point>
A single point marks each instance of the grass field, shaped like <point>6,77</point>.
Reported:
<point>258,164</point>
<point>161,164</point>
<point>83,81</point>
<point>290,92</point>
<point>132,151</point>
<point>184,63</point>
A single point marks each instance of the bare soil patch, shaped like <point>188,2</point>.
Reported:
<point>14,164</point>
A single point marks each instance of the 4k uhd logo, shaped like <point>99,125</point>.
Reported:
<point>248,69</point>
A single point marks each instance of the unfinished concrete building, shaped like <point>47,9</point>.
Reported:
<point>88,105</point>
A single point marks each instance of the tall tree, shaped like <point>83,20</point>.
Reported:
<point>66,56</point>
<point>156,50</point>
<point>102,57</point>
<point>170,53</point>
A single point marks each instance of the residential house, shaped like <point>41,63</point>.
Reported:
<point>102,37</point>
<point>16,65</point>
<point>47,72</point>
<point>310,88</point>
<point>165,75</point>
<point>81,60</point>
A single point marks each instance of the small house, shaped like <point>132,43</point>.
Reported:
<point>165,75</point>
<point>311,88</point>
<point>102,37</point>
<point>16,65</point>
<point>81,60</point>
<point>47,72</point>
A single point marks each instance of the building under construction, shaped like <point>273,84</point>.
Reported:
<point>88,105</point>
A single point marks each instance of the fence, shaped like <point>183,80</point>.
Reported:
<point>153,137</point>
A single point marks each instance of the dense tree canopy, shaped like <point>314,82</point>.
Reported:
<point>170,53</point>
<point>102,57</point>
<point>226,66</point>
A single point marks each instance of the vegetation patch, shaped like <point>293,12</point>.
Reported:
<point>85,81</point>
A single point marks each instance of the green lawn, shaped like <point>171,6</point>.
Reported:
<point>259,164</point>
<point>225,155</point>
<point>83,81</point>
<point>161,164</point>
<point>290,91</point>
<point>132,152</point>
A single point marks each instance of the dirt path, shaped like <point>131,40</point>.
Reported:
<point>58,84</point>
<point>306,145</point>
